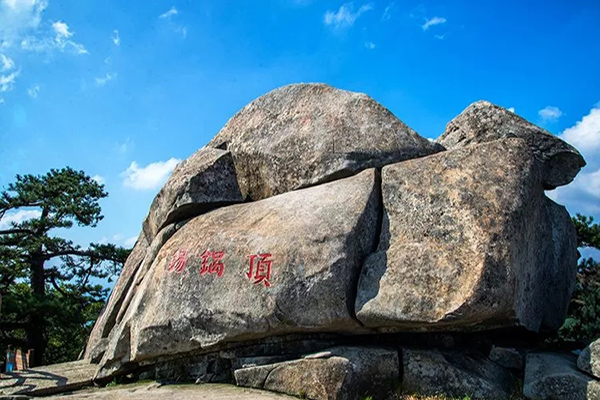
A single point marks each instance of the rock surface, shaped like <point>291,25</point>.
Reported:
<point>156,391</point>
<point>340,373</point>
<point>507,357</point>
<point>98,340</point>
<point>589,359</point>
<point>313,241</point>
<point>483,122</point>
<point>304,134</point>
<point>46,380</point>
<point>555,376</point>
<point>454,374</point>
<point>204,181</point>
<point>467,238</point>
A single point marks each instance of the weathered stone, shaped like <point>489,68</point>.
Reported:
<point>317,239</point>
<point>206,180</point>
<point>507,357</point>
<point>555,376</point>
<point>589,359</point>
<point>349,373</point>
<point>469,241</point>
<point>98,340</point>
<point>47,379</point>
<point>455,374</point>
<point>136,266</point>
<point>305,134</point>
<point>484,122</point>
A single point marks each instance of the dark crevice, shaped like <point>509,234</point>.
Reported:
<point>376,201</point>
<point>380,213</point>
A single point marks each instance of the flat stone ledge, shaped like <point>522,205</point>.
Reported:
<point>47,380</point>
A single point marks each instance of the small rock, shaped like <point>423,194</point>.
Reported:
<point>322,354</point>
<point>507,357</point>
<point>204,181</point>
<point>554,376</point>
<point>455,374</point>
<point>589,359</point>
<point>349,374</point>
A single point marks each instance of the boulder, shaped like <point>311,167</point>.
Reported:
<point>483,122</point>
<point>555,376</point>
<point>346,373</point>
<point>304,134</point>
<point>206,180</point>
<point>469,241</point>
<point>281,265</point>
<point>507,357</point>
<point>455,374</point>
<point>589,359</point>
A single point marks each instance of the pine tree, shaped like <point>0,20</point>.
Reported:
<point>49,297</point>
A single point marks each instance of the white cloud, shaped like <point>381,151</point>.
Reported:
<point>17,217</point>
<point>116,38</point>
<point>1,100</point>
<point>7,78</point>
<point>6,63</point>
<point>550,113</point>
<point>387,13</point>
<point>62,30</point>
<point>17,17</point>
<point>99,179</point>
<point>440,37</point>
<point>583,194</point>
<point>370,45</point>
<point>345,17</point>
<point>180,29</point>
<point>172,11</point>
<point>130,242</point>
<point>585,134</point>
<point>108,60</point>
<point>7,82</point>
<point>511,109</point>
<point>183,31</point>
<point>432,22</point>
<point>149,177</point>
<point>101,81</point>
<point>124,147</point>
<point>33,91</point>
<point>59,40</point>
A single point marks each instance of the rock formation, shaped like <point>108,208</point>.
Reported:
<point>351,235</point>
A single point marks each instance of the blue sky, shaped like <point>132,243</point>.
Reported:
<point>125,89</point>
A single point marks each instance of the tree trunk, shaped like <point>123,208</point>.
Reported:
<point>37,327</point>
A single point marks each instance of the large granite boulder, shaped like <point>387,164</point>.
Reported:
<point>484,122</point>
<point>589,359</point>
<point>340,373</point>
<point>469,241</point>
<point>550,376</point>
<point>284,264</point>
<point>455,374</point>
<point>304,134</point>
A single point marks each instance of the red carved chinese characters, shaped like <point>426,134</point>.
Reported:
<point>260,269</point>
<point>178,262</point>
<point>214,267</point>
